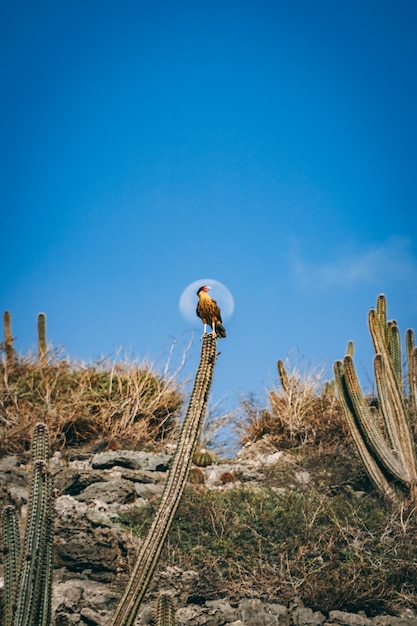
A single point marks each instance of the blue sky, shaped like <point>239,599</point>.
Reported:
<point>270,145</point>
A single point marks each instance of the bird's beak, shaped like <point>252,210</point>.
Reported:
<point>208,287</point>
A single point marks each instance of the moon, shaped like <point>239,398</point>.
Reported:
<point>219,292</point>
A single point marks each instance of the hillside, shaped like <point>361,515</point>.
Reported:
<point>293,517</point>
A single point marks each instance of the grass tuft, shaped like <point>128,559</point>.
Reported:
<point>306,412</point>
<point>82,404</point>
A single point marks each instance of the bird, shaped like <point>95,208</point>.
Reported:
<point>209,312</point>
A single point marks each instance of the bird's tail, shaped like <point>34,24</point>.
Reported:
<point>220,330</point>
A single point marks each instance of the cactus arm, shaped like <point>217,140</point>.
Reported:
<point>11,544</point>
<point>8,339</point>
<point>411,351</point>
<point>394,348</point>
<point>394,415</point>
<point>40,443</point>
<point>381,316</point>
<point>128,607</point>
<point>42,346</point>
<point>283,376</point>
<point>29,590</point>
<point>400,432</point>
<point>44,609</point>
<point>369,423</point>
<point>368,459</point>
<point>28,577</point>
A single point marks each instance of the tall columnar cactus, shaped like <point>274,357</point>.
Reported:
<point>8,339</point>
<point>11,544</point>
<point>383,435</point>
<point>148,557</point>
<point>28,578</point>
<point>42,345</point>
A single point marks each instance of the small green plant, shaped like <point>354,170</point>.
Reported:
<point>203,458</point>
<point>383,431</point>
<point>28,572</point>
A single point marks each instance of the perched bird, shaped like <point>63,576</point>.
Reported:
<point>209,312</point>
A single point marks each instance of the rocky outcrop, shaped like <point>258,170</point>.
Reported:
<point>94,553</point>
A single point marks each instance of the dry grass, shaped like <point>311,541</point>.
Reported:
<point>125,403</point>
<point>305,411</point>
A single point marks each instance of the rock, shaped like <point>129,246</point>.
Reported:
<point>92,618</point>
<point>225,607</point>
<point>132,459</point>
<point>138,476</point>
<point>306,617</point>
<point>72,481</point>
<point>390,620</point>
<point>256,613</point>
<point>93,602</point>
<point>66,596</point>
<point>121,491</point>
<point>9,462</point>
<point>349,619</point>
<point>84,544</point>
<point>147,491</point>
<point>19,495</point>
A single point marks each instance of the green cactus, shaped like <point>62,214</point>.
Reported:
<point>383,436</point>
<point>165,610</point>
<point>203,458</point>
<point>148,557</point>
<point>29,583</point>
<point>8,339</point>
<point>11,543</point>
<point>196,476</point>
<point>283,376</point>
<point>42,345</point>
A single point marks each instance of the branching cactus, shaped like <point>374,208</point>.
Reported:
<point>42,345</point>
<point>148,557</point>
<point>28,578</point>
<point>383,434</point>
<point>8,339</point>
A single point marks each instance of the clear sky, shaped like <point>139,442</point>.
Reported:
<point>270,145</point>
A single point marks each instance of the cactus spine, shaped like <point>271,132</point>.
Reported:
<point>42,346</point>
<point>29,578</point>
<point>128,607</point>
<point>383,436</point>
<point>8,339</point>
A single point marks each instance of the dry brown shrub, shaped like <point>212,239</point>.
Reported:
<point>84,404</point>
<point>306,411</point>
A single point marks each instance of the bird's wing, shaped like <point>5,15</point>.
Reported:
<point>216,311</point>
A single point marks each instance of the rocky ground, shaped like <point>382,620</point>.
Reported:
<point>94,553</point>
